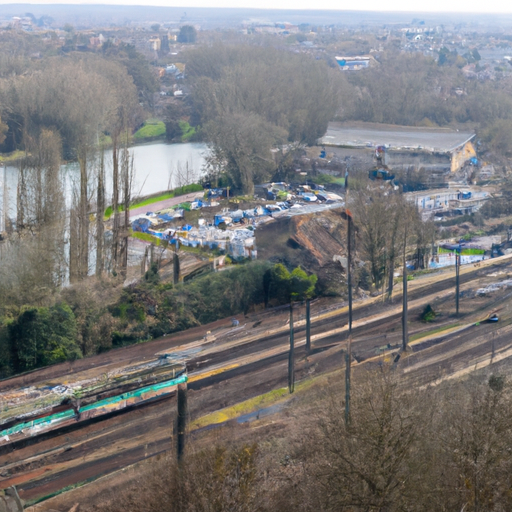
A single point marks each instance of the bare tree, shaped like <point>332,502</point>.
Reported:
<point>372,212</point>
<point>127,176</point>
<point>81,98</point>
<point>100,212</point>
<point>244,142</point>
<point>366,465</point>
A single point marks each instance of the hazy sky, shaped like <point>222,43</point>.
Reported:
<point>489,6</point>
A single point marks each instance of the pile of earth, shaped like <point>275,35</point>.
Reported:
<point>316,242</point>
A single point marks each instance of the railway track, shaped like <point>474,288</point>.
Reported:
<point>232,369</point>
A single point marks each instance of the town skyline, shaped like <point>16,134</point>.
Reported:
<point>433,6</point>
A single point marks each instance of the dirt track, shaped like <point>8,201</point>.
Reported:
<point>244,363</point>
<point>166,203</point>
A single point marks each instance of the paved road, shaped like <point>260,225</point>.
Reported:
<point>166,203</point>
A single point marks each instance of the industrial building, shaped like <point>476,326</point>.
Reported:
<point>448,202</point>
<point>440,151</point>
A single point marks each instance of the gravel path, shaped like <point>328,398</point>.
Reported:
<point>166,203</point>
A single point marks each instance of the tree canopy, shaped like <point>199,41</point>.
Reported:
<point>188,34</point>
<point>282,286</point>
<point>251,99</point>
<point>43,336</point>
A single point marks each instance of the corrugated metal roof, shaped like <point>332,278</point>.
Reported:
<point>436,140</point>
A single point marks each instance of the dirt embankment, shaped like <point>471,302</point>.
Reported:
<point>311,241</point>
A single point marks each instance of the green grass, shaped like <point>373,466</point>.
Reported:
<point>251,405</point>
<point>187,189</point>
<point>187,130</point>
<point>325,179</point>
<point>465,251</point>
<point>471,234</point>
<point>424,272</point>
<point>106,140</point>
<point>11,157</point>
<point>151,200</point>
<point>146,237</point>
<point>152,128</point>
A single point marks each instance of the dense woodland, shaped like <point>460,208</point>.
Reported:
<point>93,317</point>
<point>256,102</point>
<point>250,100</point>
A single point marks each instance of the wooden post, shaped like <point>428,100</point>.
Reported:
<point>291,355</point>
<point>405,327</point>
<point>492,345</point>
<point>308,326</point>
<point>181,420</point>
<point>176,267</point>
<point>457,284</point>
<point>5,202</point>
<point>349,270</point>
<point>348,355</point>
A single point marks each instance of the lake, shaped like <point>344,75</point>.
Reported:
<point>158,167</point>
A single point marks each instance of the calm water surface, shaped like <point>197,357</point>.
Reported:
<point>158,167</point>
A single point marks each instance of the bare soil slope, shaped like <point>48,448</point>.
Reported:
<point>310,240</point>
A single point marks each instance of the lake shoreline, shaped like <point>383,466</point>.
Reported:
<point>159,167</point>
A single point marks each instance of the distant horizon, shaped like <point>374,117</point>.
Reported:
<point>393,6</point>
<point>89,15</point>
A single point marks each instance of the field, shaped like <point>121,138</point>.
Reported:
<point>152,128</point>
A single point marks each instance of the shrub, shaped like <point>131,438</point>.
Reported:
<point>428,314</point>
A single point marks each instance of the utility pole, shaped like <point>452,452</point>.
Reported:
<point>348,355</point>
<point>181,420</point>
<point>405,328</point>
<point>308,326</point>
<point>5,201</point>
<point>291,355</point>
<point>457,284</point>
<point>176,267</point>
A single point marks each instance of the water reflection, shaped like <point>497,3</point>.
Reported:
<point>158,167</point>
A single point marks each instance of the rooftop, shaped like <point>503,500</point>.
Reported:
<point>358,135</point>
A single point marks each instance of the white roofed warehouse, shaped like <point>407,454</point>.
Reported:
<point>441,150</point>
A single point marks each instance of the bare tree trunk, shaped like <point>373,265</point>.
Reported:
<point>391,275</point>
<point>83,227</point>
<point>21,198</point>
<point>73,245</point>
<point>126,179</point>
<point>38,199</point>
<point>170,180</point>
<point>144,263</point>
<point>100,211</point>
<point>5,202</point>
<point>115,202</point>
